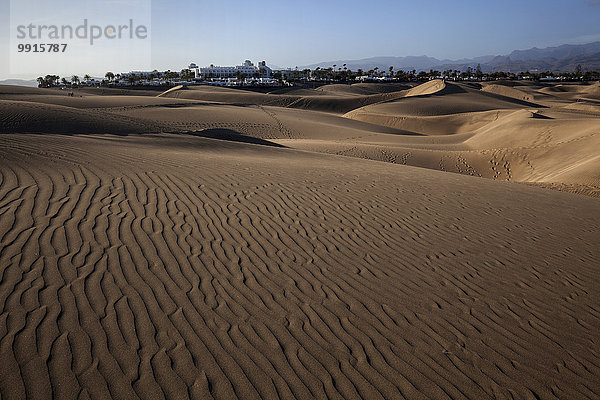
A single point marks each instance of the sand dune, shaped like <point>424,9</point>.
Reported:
<point>112,102</point>
<point>200,245</point>
<point>554,145</point>
<point>358,89</point>
<point>33,117</point>
<point>508,92</point>
<point>572,92</point>
<point>12,90</point>
<point>182,266</point>
<point>585,105</point>
<point>443,100</point>
<point>431,87</point>
<point>309,99</point>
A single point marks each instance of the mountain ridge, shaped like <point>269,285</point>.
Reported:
<point>563,58</point>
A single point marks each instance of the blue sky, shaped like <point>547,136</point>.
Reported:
<point>289,34</point>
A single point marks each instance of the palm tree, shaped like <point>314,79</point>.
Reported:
<point>87,77</point>
<point>391,71</point>
<point>51,80</point>
<point>110,76</point>
<point>317,73</point>
<point>75,80</point>
<point>478,72</point>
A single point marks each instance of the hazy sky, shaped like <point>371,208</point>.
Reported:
<point>295,33</point>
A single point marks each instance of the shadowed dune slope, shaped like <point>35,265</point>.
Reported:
<point>320,100</point>
<point>358,89</point>
<point>508,92</point>
<point>436,98</point>
<point>122,91</point>
<point>12,90</point>
<point>437,108</point>
<point>106,102</point>
<point>183,267</point>
<point>30,117</point>
<point>572,91</point>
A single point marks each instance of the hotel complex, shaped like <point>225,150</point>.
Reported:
<point>247,69</point>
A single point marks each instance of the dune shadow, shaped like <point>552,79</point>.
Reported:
<point>455,89</point>
<point>472,85</point>
<point>540,116</point>
<point>450,89</point>
<point>233,136</point>
<point>176,105</point>
<point>513,100</point>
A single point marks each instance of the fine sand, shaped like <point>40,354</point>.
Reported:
<point>309,243</point>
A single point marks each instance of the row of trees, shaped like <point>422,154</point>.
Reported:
<point>184,74</point>
<point>332,74</point>
<point>112,78</point>
<point>55,80</point>
<point>344,74</point>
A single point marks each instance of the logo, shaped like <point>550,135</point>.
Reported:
<point>84,37</point>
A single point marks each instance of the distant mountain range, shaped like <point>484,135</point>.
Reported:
<point>563,58</point>
<point>20,82</point>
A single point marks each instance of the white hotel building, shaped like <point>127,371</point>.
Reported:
<point>247,68</point>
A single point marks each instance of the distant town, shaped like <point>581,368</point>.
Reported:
<point>249,74</point>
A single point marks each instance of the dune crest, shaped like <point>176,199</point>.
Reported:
<point>173,89</point>
<point>431,87</point>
